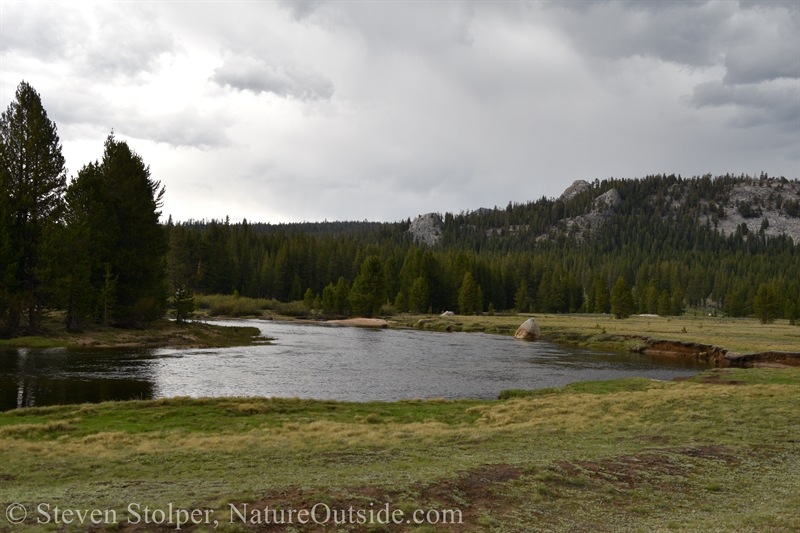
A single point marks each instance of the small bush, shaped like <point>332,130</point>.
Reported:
<point>293,309</point>
<point>388,310</point>
<point>232,306</point>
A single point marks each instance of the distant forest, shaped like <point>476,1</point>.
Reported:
<point>94,249</point>
<point>665,253</point>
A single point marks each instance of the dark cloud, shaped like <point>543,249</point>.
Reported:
<point>250,74</point>
<point>756,105</point>
<point>300,9</point>
<point>754,43</point>
<point>769,57</point>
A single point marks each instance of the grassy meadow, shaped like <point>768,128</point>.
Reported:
<point>719,452</point>
<point>743,335</point>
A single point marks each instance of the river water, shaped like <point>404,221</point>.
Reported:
<point>310,361</point>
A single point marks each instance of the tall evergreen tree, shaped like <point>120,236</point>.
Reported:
<point>419,296</point>
<point>621,299</point>
<point>470,297</point>
<point>522,299</point>
<point>368,293</point>
<point>766,304</point>
<point>115,205</point>
<point>33,180</point>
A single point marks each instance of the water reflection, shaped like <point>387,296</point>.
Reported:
<point>52,376</point>
<point>309,361</point>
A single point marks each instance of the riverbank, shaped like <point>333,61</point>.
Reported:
<point>161,333</point>
<point>739,335</point>
<point>624,455</point>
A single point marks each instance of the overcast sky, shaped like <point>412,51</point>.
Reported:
<point>381,110</point>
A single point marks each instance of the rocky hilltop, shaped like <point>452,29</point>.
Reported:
<point>577,187</point>
<point>727,204</point>
<point>427,229</point>
<point>768,205</point>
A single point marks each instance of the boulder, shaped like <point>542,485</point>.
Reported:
<point>447,313</point>
<point>528,331</point>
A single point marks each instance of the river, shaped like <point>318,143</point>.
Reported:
<point>322,362</point>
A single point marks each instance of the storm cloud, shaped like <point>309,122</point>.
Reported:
<point>352,110</point>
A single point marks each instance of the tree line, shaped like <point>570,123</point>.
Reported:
<point>94,249</point>
<point>291,266</point>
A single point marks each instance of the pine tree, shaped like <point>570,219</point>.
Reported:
<point>115,206</point>
<point>33,180</point>
<point>664,304</point>
<point>522,299</point>
<point>677,304</point>
<point>602,302</point>
<point>308,298</point>
<point>400,302</point>
<point>341,297</point>
<point>419,296</point>
<point>328,299</point>
<point>621,299</point>
<point>470,297</point>
<point>766,304</point>
<point>107,299</point>
<point>368,293</point>
<point>184,304</point>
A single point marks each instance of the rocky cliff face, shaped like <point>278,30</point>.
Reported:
<point>767,201</point>
<point>427,229</point>
<point>751,203</point>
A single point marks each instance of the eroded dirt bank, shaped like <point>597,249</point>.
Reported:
<point>711,354</point>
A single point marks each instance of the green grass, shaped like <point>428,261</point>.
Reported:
<point>585,387</point>
<point>720,452</point>
<point>31,342</point>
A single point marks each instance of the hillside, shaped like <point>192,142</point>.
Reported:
<point>720,204</point>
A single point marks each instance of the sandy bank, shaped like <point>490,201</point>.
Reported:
<point>360,322</point>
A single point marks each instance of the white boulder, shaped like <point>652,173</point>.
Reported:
<point>528,331</point>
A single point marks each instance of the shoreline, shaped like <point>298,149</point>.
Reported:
<point>160,334</point>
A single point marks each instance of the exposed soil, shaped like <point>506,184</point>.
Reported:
<point>713,355</point>
<point>486,489</point>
